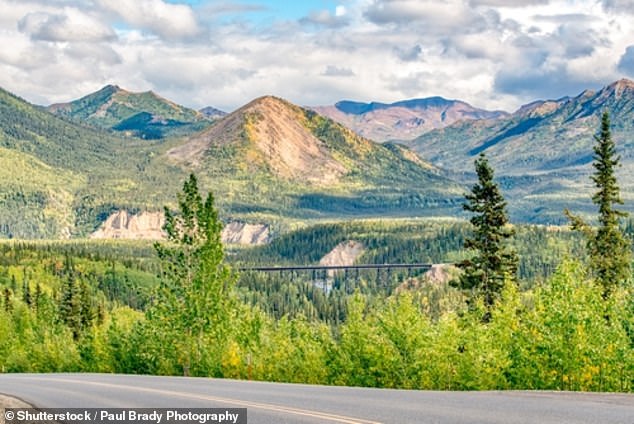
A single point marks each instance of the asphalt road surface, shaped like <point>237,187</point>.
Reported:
<point>273,403</point>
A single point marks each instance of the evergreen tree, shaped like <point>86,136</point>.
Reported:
<point>7,300</point>
<point>37,297</point>
<point>26,294</point>
<point>609,248</point>
<point>194,301</point>
<point>485,273</point>
<point>70,307</point>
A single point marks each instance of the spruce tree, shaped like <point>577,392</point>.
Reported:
<point>7,300</point>
<point>494,262</point>
<point>609,248</point>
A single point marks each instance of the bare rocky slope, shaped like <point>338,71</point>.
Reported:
<point>542,153</point>
<point>344,254</point>
<point>278,138</point>
<point>149,226</point>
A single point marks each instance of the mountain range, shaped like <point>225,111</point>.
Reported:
<point>64,169</point>
<point>403,120</point>
<point>542,153</point>
<point>268,161</point>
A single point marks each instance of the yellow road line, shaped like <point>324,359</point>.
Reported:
<point>266,406</point>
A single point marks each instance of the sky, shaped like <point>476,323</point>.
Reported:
<point>494,54</point>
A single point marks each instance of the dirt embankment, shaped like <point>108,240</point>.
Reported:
<point>149,226</point>
<point>242,233</point>
<point>344,254</point>
<point>123,225</point>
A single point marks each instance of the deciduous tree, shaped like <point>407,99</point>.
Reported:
<point>193,304</point>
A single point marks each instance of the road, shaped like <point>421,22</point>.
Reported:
<point>273,403</point>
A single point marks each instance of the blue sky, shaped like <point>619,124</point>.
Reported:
<point>495,54</point>
<point>267,10</point>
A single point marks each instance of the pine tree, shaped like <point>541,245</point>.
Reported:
<point>485,273</point>
<point>609,248</point>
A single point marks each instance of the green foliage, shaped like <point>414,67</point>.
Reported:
<point>541,153</point>
<point>553,336</point>
<point>566,342</point>
<point>493,263</point>
<point>193,303</point>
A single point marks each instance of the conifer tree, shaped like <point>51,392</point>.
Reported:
<point>609,248</point>
<point>7,300</point>
<point>485,273</point>
<point>26,293</point>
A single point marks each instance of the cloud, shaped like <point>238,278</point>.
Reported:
<point>626,63</point>
<point>334,71</point>
<point>567,18</point>
<point>508,3</point>
<point>437,17</point>
<point>408,54</point>
<point>170,21</point>
<point>96,53</point>
<point>491,53</point>
<point>70,25</point>
<point>546,82</point>
<point>618,6</point>
<point>231,8</point>
<point>326,19</point>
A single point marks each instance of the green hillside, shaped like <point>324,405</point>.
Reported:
<point>144,115</point>
<point>63,179</point>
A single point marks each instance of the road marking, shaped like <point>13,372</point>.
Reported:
<point>266,406</point>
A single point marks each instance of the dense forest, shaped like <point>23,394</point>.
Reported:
<point>92,306</point>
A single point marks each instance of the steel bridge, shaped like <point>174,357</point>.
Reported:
<point>293,268</point>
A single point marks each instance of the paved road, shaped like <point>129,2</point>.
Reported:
<point>272,403</point>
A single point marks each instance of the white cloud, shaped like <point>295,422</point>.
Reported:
<point>68,25</point>
<point>491,53</point>
<point>172,21</point>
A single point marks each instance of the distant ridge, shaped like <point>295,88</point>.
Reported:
<point>403,120</point>
<point>544,149</point>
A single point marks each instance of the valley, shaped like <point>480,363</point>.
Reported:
<point>97,277</point>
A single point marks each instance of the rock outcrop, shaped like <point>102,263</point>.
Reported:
<point>124,225</point>
<point>344,254</point>
<point>242,233</point>
<point>149,226</point>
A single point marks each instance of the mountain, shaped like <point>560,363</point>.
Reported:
<point>542,152</point>
<point>145,115</point>
<point>281,156</point>
<point>404,120</point>
<point>269,162</point>
<point>211,112</point>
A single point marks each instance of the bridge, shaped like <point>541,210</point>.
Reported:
<point>292,268</point>
<point>325,274</point>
